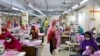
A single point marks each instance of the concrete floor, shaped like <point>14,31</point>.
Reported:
<point>45,50</point>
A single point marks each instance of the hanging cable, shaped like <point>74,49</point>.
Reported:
<point>47,4</point>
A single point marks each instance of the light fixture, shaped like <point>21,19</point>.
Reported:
<point>50,10</point>
<point>22,10</point>
<point>30,6</point>
<point>84,1</point>
<point>75,6</point>
<point>15,8</point>
<point>64,12</point>
<point>41,13</point>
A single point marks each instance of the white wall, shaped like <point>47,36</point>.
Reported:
<point>71,18</point>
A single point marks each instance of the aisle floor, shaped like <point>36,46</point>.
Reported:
<point>45,50</point>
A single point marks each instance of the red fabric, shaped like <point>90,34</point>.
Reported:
<point>51,35</point>
<point>1,37</point>
<point>14,44</point>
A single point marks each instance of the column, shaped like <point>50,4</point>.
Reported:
<point>25,18</point>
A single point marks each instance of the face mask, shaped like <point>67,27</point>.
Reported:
<point>3,32</point>
<point>94,31</point>
<point>87,38</point>
<point>9,40</point>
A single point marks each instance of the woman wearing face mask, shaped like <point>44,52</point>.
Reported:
<point>34,33</point>
<point>90,42</point>
<point>12,44</point>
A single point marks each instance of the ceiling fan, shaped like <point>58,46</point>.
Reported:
<point>64,2</point>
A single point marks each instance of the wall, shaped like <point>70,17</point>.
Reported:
<point>83,18</point>
<point>96,16</point>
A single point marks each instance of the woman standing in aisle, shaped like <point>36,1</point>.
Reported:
<point>51,36</point>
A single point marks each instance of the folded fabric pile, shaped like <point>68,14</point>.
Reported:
<point>96,53</point>
<point>87,51</point>
<point>10,53</point>
<point>32,43</point>
<point>80,38</point>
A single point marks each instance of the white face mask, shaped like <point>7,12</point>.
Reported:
<point>3,32</point>
<point>87,38</point>
<point>94,31</point>
<point>9,40</point>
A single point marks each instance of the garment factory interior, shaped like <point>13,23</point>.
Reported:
<point>49,27</point>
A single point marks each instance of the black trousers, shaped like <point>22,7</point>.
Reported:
<point>42,39</point>
<point>51,47</point>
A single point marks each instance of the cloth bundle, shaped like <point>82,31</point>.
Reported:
<point>87,51</point>
<point>32,43</point>
<point>96,53</point>
<point>10,53</point>
<point>80,38</point>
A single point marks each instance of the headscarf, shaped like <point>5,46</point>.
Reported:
<point>67,28</point>
<point>9,24</point>
<point>57,36</point>
<point>51,30</point>
<point>90,33</point>
<point>14,44</point>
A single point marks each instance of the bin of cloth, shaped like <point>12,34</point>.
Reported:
<point>30,47</point>
<point>10,53</point>
<point>96,53</point>
<point>31,43</point>
<point>80,38</point>
<point>13,53</point>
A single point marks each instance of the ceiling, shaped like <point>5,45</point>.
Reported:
<point>48,7</point>
<point>53,5</point>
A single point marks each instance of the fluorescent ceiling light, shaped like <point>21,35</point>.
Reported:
<point>75,6</point>
<point>50,10</point>
<point>84,1</point>
<point>22,10</point>
<point>64,12</point>
<point>30,5</point>
<point>39,11</point>
<point>15,8</point>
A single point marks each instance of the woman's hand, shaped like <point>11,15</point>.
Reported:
<point>91,48</point>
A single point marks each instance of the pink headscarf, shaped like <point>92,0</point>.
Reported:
<point>57,36</point>
<point>51,30</point>
<point>14,44</point>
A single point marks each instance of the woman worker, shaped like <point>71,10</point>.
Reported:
<point>11,43</point>
<point>34,32</point>
<point>90,42</point>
